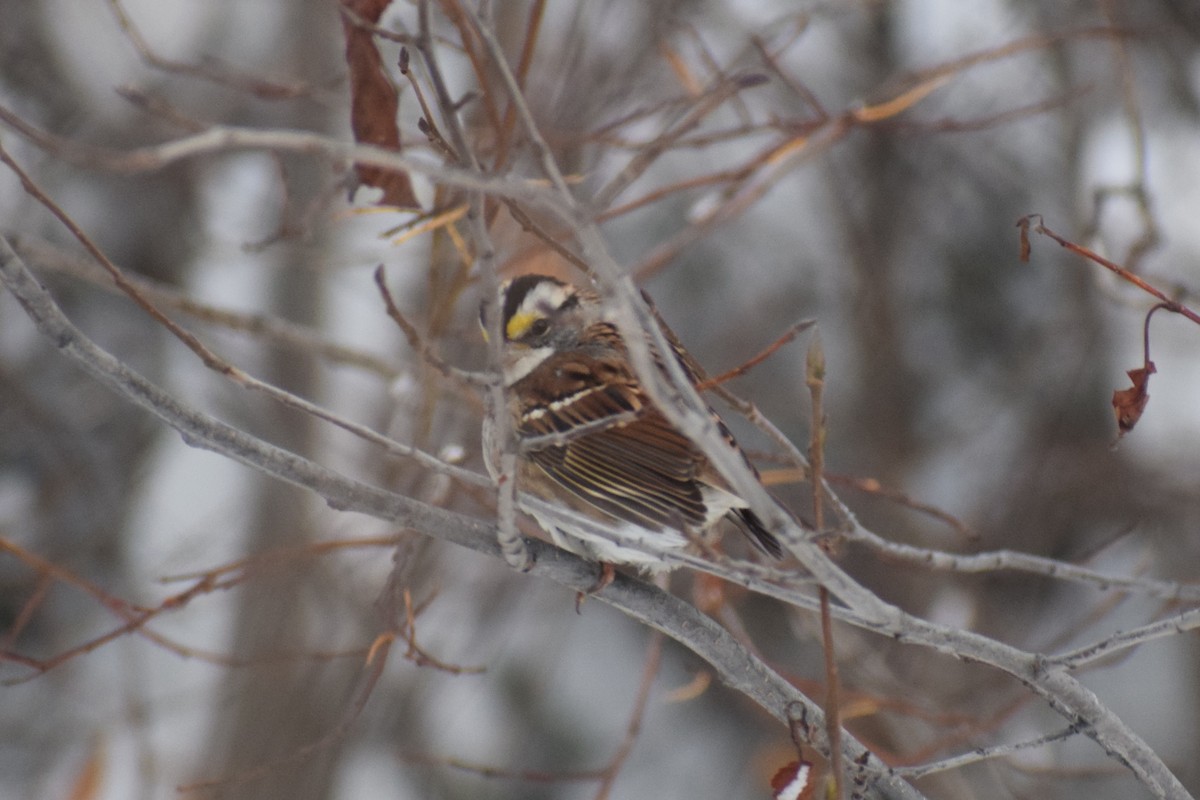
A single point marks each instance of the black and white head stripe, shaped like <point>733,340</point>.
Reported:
<point>529,298</point>
<point>518,288</point>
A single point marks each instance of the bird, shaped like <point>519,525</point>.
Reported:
<point>589,437</point>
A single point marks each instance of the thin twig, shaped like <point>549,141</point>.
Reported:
<point>685,409</point>
<point>815,380</point>
<point>677,619</point>
<point>709,102</point>
<point>453,9</point>
<point>532,28</point>
<point>222,75</point>
<point>986,753</point>
<point>427,123</point>
<point>281,332</point>
<point>489,771</point>
<point>873,487</point>
<point>417,654</point>
<point>636,715</point>
<point>373,669</point>
<point>798,87</point>
<point>1009,560</point>
<point>541,150</point>
<point>790,334</point>
<point>1081,657</point>
<point>1035,222</point>
<point>528,224</point>
<point>511,543</point>
<point>417,342</point>
<point>219,365</point>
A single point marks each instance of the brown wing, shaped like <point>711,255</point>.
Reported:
<point>750,522</point>
<point>639,469</point>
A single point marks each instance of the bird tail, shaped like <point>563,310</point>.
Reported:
<point>757,532</point>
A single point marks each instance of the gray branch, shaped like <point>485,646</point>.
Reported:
<point>1049,678</point>
<point>735,665</point>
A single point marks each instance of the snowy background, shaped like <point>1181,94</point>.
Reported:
<point>956,375</point>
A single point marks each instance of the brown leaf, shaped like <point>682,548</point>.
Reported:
<point>1023,224</point>
<point>374,103</point>
<point>794,781</point>
<point>1130,403</point>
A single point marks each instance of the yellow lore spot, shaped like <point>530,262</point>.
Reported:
<point>518,324</point>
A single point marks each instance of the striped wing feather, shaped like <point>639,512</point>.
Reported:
<point>639,470</point>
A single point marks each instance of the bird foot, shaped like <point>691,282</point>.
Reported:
<point>608,574</point>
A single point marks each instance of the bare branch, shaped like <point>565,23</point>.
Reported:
<point>677,619</point>
<point>1081,657</point>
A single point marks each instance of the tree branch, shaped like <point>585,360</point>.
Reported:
<point>736,666</point>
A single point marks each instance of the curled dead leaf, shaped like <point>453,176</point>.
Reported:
<point>1130,403</point>
<point>374,103</point>
<point>794,781</point>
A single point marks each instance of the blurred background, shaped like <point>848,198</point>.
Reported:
<point>957,375</point>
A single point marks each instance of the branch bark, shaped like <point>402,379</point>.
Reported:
<point>735,665</point>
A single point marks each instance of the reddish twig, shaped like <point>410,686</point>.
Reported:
<point>716,71</point>
<point>708,103</point>
<point>28,608</point>
<point>218,74</point>
<point>471,46</point>
<point>788,335</point>
<point>135,618</point>
<point>374,669</point>
<point>649,671</point>
<point>815,378</point>
<point>532,28</point>
<point>798,87</point>
<point>209,358</point>
<point>873,486</point>
<point>250,563</point>
<point>1034,222</point>
<point>427,123</point>
<point>271,329</point>
<point>1130,403</point>
<point>990,121</point>
<point>530,226</point>
<point>488,771</point>
<point>417,342</point>
<point>416,653</point>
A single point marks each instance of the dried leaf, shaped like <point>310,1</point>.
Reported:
<point>1130,403</point>
<point>374,104</point>
<point>794,781</point>
<point>1023,224</point>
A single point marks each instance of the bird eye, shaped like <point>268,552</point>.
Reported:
<point>539,327</point>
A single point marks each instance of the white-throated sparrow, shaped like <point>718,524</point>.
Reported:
<point>589,437</point>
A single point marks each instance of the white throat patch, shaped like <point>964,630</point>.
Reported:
<point>524,364</point>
